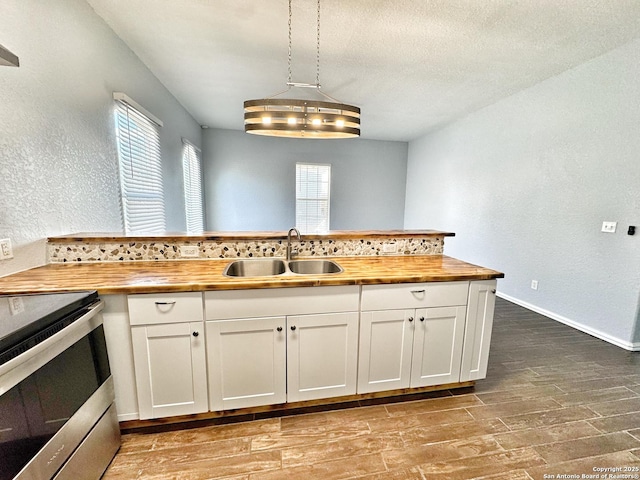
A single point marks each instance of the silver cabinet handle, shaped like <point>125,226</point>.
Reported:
<point>165,303</point>
<point>411,319</point>
<point>493,291</point>
<point>422,319</point>
<point>418,291</point>
<point>279,329</point>
<point>195,334</point>
<point>293,328</point>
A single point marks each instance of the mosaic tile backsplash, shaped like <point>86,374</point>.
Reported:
<point>133,251</point>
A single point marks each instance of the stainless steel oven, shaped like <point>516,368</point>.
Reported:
<point>57,413</point>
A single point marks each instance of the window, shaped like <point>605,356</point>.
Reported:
<point>140,167</point>
<point>191,166</point>
<point>313,185</point>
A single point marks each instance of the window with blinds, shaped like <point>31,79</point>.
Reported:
<point>313,186</point>
<point>140,167</point>
<point>191,166</point>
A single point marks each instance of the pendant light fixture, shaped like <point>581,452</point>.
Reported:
<point>325,117</point>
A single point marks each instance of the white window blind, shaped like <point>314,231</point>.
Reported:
<point>313,186</point>
<point>191,166</point>
<point>140,167</point>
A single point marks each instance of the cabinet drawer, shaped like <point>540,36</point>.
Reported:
<point>153,308</point>
<point>272,302</point>
<point>414,295</point>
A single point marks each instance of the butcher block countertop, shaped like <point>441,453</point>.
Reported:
<point>201,275</point>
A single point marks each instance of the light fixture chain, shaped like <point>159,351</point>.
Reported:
<point>318,49</point>
<point>289,56</point>
<point>302,117</point>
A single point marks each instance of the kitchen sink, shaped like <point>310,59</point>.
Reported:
<point>273,267</point>
<point>314,267</point>
<point>255,268</point>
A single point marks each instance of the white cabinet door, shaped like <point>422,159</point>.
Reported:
<point>247,362</point>
<point>477,337</point>
<point>386,339</point>
<point>437,346</point>
<point>170,369</point>
<point>322,356</point>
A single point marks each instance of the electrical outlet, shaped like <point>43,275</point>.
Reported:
<point>16,305</point>
<point>389,248</point>
<point>609,227</point>
<point>189,251</point>
<point>6,251</point>
<point>534,284</point>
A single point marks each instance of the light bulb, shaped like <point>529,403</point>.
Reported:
<point>292,120</point>
<point>266,120</point>
<point>316,121</point>
<point>340,123</point>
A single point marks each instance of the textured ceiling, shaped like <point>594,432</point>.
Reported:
<point>410,65</point>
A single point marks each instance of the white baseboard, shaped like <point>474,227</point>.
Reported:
<point>632,347</point>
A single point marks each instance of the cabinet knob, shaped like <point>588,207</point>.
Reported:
<point>422,319</point>
<point>279,329</point>
<point>411,319</point>
<point>493,291</point>
<point>195,334</point>
<point>293,327</point>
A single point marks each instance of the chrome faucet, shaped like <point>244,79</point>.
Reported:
<point>294,229</point>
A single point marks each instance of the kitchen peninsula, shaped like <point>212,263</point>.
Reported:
<point>187,341</point>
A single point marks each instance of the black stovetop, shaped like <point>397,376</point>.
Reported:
<point>23,316</point>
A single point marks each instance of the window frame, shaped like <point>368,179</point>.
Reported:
<point>309,226</point>
<point>140,167</point>
<point>193,196</point>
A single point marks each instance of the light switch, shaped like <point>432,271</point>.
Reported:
<point>609,227</point>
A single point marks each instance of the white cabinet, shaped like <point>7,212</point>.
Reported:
<point>252,363</point>
<point>117,332</point>
<point>247,362</point>
<point>169,356</point>
<point>477,337</point>
<point>386,343</point>
<point>411,335</point>
<point>248,348</point>
<point>437,346</point>
<point>322,356</point>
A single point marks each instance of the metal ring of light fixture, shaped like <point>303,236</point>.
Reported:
<point>301,118</point>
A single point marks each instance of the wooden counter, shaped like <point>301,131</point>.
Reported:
<point>200,275</point>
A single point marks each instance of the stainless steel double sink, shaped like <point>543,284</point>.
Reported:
<point>274,267</point>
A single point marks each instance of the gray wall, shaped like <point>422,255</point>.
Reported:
<point>526,184</point>
<point>250,181</point>
<point>58,159</point>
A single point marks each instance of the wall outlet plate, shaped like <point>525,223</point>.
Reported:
<point>389,248</point>
<point>6,250</point>
<point>189,251</point>
<point>16,305</point>
<point>534,284</point>
<point>609,227</point>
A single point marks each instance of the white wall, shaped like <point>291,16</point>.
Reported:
<point>526,184</point>
<point>250,181</point>
<point>58,160</point>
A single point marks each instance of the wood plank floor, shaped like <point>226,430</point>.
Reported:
<point>556,403</point>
